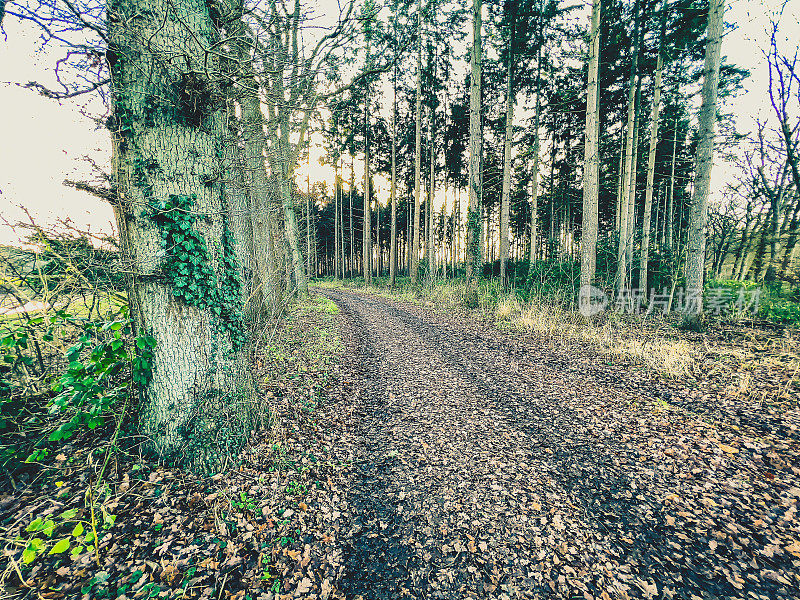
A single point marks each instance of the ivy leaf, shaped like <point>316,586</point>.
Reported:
<point>28,555</point>
<point>35,525</point>
<point>48,527</point>
<point>60,546</point>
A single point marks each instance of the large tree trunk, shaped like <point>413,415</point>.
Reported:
<point>644,257</point>
<point>591,169</point>
<point>696,242</point>
<point>473,259</point>
<point>265,218</point>
<point>172,216</point>
<point>417,152</point>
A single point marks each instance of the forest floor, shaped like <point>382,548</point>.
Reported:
<point>421,452</point>
<point>487,464</point>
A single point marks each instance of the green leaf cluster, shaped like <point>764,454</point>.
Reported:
<point>187,265</point>
<point>75,535</point>
<point>96,377</point>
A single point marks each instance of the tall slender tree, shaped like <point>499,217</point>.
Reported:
<point>473,259</point>
<point>627,175</point>
<point>698,210</point>
<point>644,257</point>
<point>591,167</point>
<point>417,153</point>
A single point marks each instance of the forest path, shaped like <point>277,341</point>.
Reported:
<point>486,465</point>
<point>478,465</point>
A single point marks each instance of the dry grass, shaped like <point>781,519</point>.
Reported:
<point>644,343</point>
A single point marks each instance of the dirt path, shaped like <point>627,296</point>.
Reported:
<point>484,469</point>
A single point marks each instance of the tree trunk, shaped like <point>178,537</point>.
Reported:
<point>535,170</point>
<point>352,229</point>
<point>630,164</point>
<point>475,148</point>
<point>393,190</point>
<point>284,172</point>
<point>184,291</point>
<point>509,135</point>
<point>633,183</point>
<point>651,157</point>
<point>431,247</point>
<point>269,256</point>
<point>417,152</point>
<point>754,272</point>
<point>336,218</point>
<point>591,169</point>
<point>367,249</point>
<point>670,225</point>
<point>696,241</point>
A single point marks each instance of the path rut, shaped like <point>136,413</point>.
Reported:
<point>481,468</point>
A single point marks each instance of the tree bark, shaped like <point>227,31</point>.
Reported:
<point>473,259</point>
<point>507,147</point>
<point>651,157</point>
<point>336,219</point>
<point>168,143</point>
<point>696,241</point>
<point>591,169</point>
<point>367,229</point>
<point>535,169</point>
<point>417,152</point>
<point>393,190</point>
<point>269,256</point>
<point>629,165</point>
<point>431,246</point>
<point>352,230</point>
<point>505,197</point>
<point>670,226</point>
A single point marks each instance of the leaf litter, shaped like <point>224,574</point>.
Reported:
<point>451,460</point>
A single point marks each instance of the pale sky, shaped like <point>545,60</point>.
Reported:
<point>43,141</point>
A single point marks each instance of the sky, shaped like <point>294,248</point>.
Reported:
<point>43,142</point>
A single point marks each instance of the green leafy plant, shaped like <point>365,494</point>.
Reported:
<point>96,376</point>
<point>187,264</point>
<point>64,532</point>
<point>244,502</point>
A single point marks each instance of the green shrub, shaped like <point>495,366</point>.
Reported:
<point>779,310</point>
<point>98,370</point>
